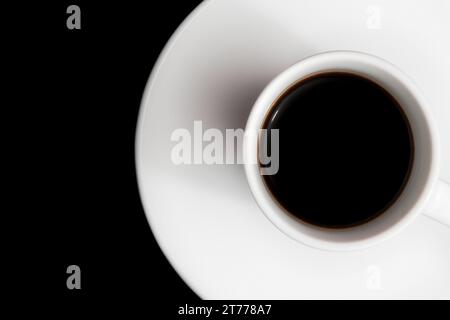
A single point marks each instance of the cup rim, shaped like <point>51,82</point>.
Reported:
<point>277,214</point>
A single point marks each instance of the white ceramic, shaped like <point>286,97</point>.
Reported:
<point>204,217</point>
<point>424,175</point>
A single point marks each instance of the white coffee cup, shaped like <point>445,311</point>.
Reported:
<point>423,193</point>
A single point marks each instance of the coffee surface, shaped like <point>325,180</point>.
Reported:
<point>345,150</point>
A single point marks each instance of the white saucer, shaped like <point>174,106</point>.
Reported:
<point>204,217</point>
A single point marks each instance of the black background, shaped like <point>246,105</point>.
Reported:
<point>101,80</point>
<point>80,109</point>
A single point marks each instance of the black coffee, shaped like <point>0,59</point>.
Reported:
<point>345,150</point>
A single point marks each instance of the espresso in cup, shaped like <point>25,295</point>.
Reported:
<point>346,150</point>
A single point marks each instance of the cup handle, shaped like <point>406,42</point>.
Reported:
<point>439,206</point>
